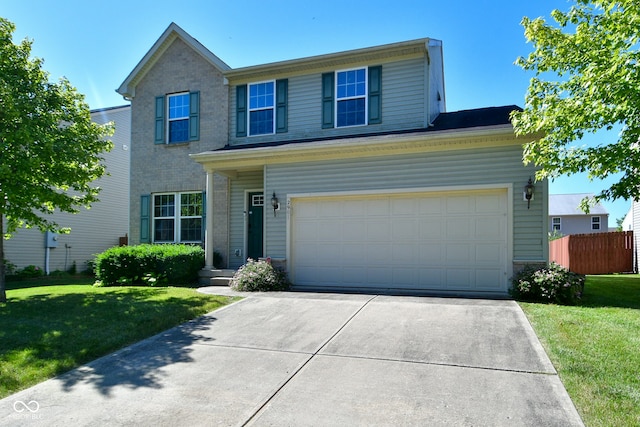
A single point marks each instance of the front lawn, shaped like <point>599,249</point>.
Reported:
<point>595,346</point>
<point>47,330</point>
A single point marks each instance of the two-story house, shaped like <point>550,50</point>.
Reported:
<point>566,217</point>
<point>344,167</point>
<point>92,230</point>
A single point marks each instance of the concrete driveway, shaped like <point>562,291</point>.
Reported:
<point>317,359</point>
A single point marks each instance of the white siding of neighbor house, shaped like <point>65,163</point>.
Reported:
<point>428,170</point>
<point>636,235</point>
<point>579,224</point>
<point>93,230</point>
<point>403,105</point>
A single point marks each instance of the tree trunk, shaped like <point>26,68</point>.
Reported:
<point>3,292</point>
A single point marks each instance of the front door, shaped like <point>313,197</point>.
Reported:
<point>255,223</point>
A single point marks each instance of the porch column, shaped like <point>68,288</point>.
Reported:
<point>208,235</point>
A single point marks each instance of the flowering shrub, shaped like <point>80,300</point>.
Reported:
<point>259,276</point>
<point>553,283</point>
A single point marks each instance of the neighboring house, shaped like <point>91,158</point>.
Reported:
<point>634,214</point>
<point>92,230</point>
<point>627,222</point>
<point>343,167</point>
<point>566,217</point>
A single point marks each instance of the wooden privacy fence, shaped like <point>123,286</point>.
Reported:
<point>598,253</point>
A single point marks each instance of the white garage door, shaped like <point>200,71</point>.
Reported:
<point>426,241</point>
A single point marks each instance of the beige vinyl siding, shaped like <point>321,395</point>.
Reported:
<point>428,170</point>
<point>246,181</point>
<point>93,230</point>
<point>403,106</point>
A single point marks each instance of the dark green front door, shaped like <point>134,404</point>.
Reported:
<point>255,225</point>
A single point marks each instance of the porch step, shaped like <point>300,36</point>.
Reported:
<point>215,277</point>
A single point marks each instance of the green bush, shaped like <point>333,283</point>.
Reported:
<point>149,264</point>
<point>554,284</point>
<point>259,276</point>
<point>30,272</point>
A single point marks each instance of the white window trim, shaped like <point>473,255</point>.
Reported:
<point>272,108</point>
<point>559,223</point>
<point>336,100</point>
<point>595,220</point>
<point>176,217</point>
<point>169,119</point>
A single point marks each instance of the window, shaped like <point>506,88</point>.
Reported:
<point>177,118</point>
<point>556,224</point>
<point>351,98</point>
<point>178,123</point>
<point>261,108</point>
<point>177,217</point>
<point>595,223</point>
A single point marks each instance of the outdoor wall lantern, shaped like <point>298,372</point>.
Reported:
<point>276,204</point>
<point>528,192</point>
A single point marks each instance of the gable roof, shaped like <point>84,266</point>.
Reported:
<point>128,88</point>
<point>567,204</point>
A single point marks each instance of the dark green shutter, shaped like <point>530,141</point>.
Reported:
<point>145,218</point>
<point>204,215</point>
<point>281,105</point>
<point>327,100</point>
<point>375,95</point>
<point>159,139</point>
<point>241,110</point>
<point>194,116</point>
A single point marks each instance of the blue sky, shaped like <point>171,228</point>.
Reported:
<point>96,44</point>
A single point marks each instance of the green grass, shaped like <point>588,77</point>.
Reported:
<point>595,347</point>
<point>47,330</point>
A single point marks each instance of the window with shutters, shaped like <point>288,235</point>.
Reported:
<point>261,108</point>
<point>352,97</point>
<point>177,217</point>
<point>177,118</point>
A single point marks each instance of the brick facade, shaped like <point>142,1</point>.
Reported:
<point>168,168</point>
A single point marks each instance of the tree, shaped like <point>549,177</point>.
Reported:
<point>50,150</point>
<point>587,79</point>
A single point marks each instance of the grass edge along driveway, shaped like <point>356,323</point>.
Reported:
<point>48,330</point>
<point>595,347</point>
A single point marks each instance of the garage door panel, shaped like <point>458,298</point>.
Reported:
<point>458,228</point>
<point>488,279</point>
<point>404,230</point>
<point>445,241</point>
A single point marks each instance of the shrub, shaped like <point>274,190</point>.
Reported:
<point>553,283</point>
<point>149,264</point>
<point>259,276</point>
<point>30,272</point>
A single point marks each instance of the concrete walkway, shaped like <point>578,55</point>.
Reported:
<point>300,359</point>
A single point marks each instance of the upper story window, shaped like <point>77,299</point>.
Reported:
<point>261,108</point>
<point>595,223</point>
<point>178,123</point>
<point>556,223</point>
<point>177,118</point>
<point>351,97</point>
